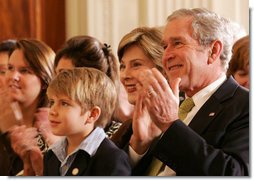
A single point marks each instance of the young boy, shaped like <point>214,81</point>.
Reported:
<point>82,101</point>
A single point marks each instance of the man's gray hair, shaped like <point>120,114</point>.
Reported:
<point>207,27</point>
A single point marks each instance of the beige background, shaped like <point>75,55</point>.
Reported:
<point>109,20</point>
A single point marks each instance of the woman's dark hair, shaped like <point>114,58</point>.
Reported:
<point>87,51</point>
<point>40,58</point>
<point>7,46</point>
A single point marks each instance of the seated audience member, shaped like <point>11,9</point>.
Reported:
<point>87,51</point>
<point>239,64</point>
<point>138,50</point>
<point>30,69</point>
<point>6,47</point>
<point>208,135</point>
<point>79,110</point>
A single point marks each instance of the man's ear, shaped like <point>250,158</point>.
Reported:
<point>214,51</point>
<point>94,115</point>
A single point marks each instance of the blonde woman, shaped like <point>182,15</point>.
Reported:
<point>139,50</point>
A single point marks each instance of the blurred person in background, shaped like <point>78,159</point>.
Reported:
<point>239,66</point>
<point>6,48</point>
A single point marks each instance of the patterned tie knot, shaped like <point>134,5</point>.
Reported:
<point>185,108</point>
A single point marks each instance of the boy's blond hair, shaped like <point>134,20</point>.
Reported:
<point>88,87</point>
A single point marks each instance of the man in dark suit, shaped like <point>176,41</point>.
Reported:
<point>213,138</point>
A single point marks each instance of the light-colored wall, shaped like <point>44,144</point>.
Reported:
<point>110,20</point>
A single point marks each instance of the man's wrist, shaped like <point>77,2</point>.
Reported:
<point>139,146</point>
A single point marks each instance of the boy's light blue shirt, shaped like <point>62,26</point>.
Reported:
<point>89,145</point>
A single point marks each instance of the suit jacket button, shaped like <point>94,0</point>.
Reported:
<point>75,171</point>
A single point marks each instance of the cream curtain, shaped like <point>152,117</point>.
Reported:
<point>109,20</point>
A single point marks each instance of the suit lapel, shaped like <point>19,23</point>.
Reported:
<point>213,106</point>
<point>53,164</point>
<point>205,115</point>
<point>79,165</point>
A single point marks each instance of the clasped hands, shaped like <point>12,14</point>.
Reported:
<point>24,142</point>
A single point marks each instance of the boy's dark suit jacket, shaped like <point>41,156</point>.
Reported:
<point>216,142</point>
<point>107,161</point>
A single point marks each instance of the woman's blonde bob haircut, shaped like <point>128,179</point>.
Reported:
<point>148,40</point>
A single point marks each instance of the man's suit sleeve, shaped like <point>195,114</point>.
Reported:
<point>187,153</point>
